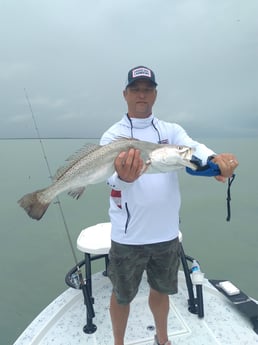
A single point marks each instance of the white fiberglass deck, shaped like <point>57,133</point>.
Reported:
<point>61,323</point>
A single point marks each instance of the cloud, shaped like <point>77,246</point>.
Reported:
<point>73,57</point>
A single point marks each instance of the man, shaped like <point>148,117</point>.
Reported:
<point>144,210</point>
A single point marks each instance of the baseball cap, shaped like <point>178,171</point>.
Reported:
<point>140,72</point>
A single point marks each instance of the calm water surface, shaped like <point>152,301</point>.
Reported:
<point>35,256</point>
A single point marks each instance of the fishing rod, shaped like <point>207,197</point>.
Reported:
<point>85,290</point>
<point>51,176</point>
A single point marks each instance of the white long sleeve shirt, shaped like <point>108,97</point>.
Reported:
<point>147,210</point>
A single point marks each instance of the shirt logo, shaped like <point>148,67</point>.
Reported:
<point>116,195</point>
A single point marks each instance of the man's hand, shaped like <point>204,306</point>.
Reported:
<point>129,165</point>
<point>227,163</point>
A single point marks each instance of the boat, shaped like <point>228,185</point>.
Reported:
<point>204,311</point>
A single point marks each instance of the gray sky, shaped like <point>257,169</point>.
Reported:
<point>72,57</point>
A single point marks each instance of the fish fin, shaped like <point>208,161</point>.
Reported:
<point>74,158</point>
<point>31,204</point>
<point>77,192</point>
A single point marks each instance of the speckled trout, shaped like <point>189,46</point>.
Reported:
<point>94,164</point>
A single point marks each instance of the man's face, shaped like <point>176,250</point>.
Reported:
<point>140,97</point>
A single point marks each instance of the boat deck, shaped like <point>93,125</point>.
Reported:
<point>62,322</point>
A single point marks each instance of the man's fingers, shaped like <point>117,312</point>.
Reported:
<point>129,165</point>
<point>227,164</point>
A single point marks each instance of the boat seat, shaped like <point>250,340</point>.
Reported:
<point>94,242</point>
<point>95,239</point>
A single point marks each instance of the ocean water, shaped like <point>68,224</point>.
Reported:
<point>36,255</point>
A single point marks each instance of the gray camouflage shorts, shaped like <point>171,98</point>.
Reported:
<point>128,262</point>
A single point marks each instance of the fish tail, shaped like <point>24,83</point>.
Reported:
<point>33,206</point>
